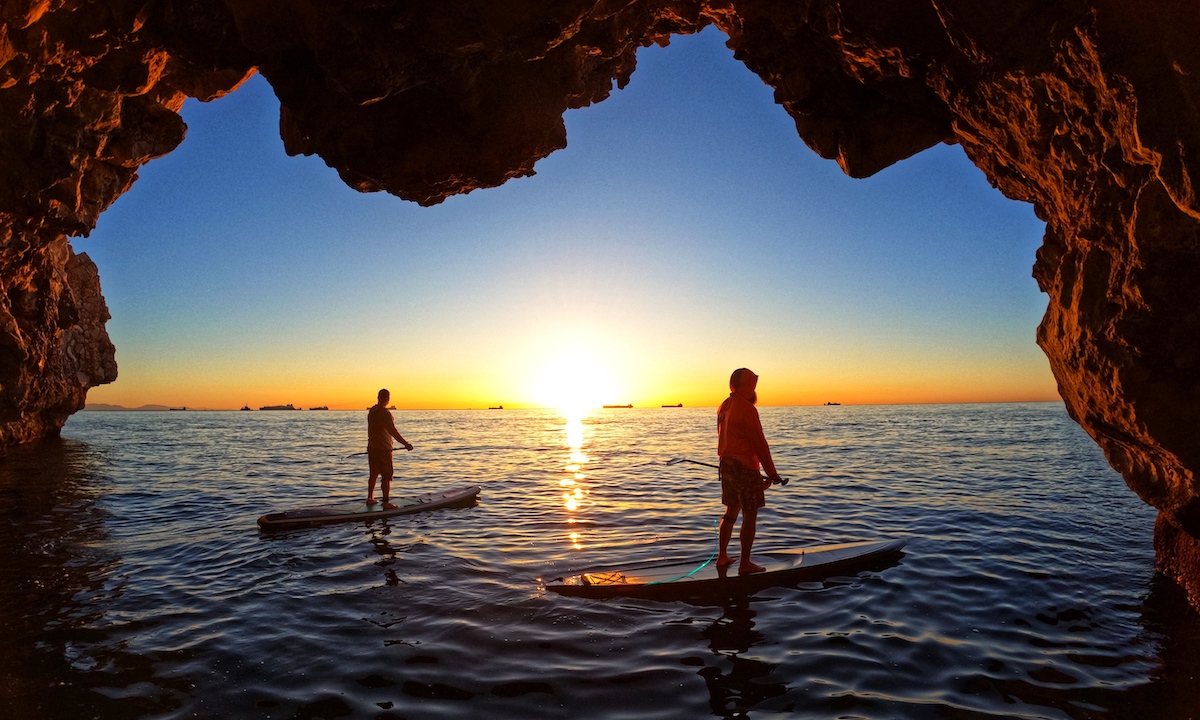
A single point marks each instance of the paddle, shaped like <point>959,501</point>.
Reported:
<point>364,452</point>
<point>676,461</point>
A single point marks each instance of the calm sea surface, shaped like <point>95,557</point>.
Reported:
<point>135,583</point>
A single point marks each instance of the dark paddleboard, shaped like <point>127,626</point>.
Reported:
<point>696,579</point>
<point>305,517</point>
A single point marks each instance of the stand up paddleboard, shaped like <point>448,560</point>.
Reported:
<point>306,517</point>
<point>680,580</point>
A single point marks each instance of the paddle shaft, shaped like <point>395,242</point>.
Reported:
<point>780,481</point>
<point>364,452</point>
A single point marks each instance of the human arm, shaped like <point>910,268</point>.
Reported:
<point>391,428</point>
<point>763,452</point>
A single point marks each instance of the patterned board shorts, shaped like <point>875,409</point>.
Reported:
<point>741,486</point>
<point>379,462</point>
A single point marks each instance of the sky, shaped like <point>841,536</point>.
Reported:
<point>685,231</point>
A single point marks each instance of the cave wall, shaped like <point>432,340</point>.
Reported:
<point>88,94</point>
<point>1088,109</point>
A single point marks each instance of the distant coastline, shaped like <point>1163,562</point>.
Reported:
<point>104,407</point>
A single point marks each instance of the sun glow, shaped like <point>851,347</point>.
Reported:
<point>574,383</point>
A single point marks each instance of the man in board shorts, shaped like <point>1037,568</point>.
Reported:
<point>381,428</point>
<point>742,449</point>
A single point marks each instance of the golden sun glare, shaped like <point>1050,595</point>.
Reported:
<point>574,383</point>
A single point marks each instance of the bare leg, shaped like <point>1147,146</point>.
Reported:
<point>749,526</point>
<point>386,484</point>
<point>725,533</point>
<point>371,489</point>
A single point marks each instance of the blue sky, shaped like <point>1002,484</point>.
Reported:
<point>685,230</point>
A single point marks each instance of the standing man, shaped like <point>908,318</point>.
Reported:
<point>742,449</point>
<point>381,428</point>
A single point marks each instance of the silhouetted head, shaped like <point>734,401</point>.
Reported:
<point>384,396</point>
<point>743,382</point>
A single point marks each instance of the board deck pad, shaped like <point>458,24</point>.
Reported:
<point>685,579</point>
<point>319,515</point>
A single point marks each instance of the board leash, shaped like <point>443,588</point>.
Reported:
<point>702,565</point>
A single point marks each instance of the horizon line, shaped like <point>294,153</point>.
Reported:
<point>156,407</point>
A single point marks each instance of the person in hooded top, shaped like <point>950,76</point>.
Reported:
<point>381,428</point>
<point>743,449</point>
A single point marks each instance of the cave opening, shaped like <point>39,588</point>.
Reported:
<point>684,218</point>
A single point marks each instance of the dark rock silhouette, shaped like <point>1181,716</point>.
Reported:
<point>1088,109</point>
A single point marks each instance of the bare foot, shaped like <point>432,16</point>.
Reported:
<point>747,567</point>
<point>370,501</point>
<point>389,506</point>
<point>724,561</point>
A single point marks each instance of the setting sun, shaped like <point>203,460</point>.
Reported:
<point>573,382</point>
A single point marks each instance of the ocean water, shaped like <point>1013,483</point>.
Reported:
<point>135,583</point>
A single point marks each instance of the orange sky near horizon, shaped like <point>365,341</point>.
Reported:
<point>572,380</point>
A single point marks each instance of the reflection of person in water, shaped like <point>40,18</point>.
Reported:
<point>381,428</point>
<point>742,449</point>
<point>746,684</point>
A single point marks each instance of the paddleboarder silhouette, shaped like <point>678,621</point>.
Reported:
<point>742,448</point>
<point>381,428</point>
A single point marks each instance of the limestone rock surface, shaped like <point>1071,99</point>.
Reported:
<point>1088,109</point>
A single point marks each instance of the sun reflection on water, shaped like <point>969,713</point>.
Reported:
<point>573,490</point>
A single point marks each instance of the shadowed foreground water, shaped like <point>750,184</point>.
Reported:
<point>135,583</point>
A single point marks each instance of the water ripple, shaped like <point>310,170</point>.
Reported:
<point>138,585</point>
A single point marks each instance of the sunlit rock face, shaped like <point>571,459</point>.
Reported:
<point>87,95</point>
<point>1088,110</point>
<point>53,345</point>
